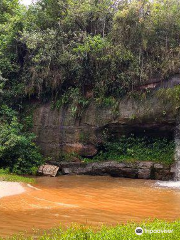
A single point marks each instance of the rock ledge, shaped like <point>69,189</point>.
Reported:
<point>139,170</point>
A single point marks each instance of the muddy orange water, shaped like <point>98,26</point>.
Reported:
<point>85,200</point>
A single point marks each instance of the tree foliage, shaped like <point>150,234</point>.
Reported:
<point>108,47</point>
<point>73,50</point>
<point>18,151</point>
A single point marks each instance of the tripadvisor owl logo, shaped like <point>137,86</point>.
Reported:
<point>139,231</point>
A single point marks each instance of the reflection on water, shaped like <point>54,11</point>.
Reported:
<point>86,200</point>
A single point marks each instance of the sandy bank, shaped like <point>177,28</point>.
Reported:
<point>10,188</point>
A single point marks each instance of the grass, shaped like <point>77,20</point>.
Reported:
<point>5,175</point>
<point>120,232</point>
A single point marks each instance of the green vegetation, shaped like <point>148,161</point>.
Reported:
<point>170,96</point>
<point>18,151</point>
<point>137,149</point>
<point>74,99</point>
<point>107,47</point>
<point>5,175</point>
<point>120,232</point>
<point>69,52</point>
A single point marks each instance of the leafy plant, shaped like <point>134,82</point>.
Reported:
<point>137,149</point>
<point>74,100</point>
<point>18,151</point>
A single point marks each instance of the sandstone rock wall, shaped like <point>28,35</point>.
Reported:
<point>59,132</point>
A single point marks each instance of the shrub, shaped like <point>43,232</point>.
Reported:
<point>138,149</point>
<point>17,148</point>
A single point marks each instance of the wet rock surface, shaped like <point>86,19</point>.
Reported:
<point>136,170</point>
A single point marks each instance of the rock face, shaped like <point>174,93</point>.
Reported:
<point>140,170</point>
<point>82,150</point>
<point>59,132</point>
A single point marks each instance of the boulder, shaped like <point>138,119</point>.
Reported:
<point>48,170</point>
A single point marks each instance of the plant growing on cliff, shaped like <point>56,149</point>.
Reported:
<point>170,96</point>
<point>73,99</point>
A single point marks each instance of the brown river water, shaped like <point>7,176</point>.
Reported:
<point>84,200</point>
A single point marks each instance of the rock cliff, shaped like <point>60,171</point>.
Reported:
<point>58,131</point>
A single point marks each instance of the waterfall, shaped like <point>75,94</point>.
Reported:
<point>176,168</point>
<point>177,153</point>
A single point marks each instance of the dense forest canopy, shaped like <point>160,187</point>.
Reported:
<point>67,51</point>
<point>105,46</point>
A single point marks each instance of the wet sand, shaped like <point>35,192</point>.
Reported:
<point>10,189</point>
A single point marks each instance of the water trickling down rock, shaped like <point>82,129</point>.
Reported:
<point>177,153</point>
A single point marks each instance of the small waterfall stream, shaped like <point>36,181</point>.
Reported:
<point>177,153</point>
<point>176,182</point>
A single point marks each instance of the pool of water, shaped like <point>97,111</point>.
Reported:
<point>84,200</point>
